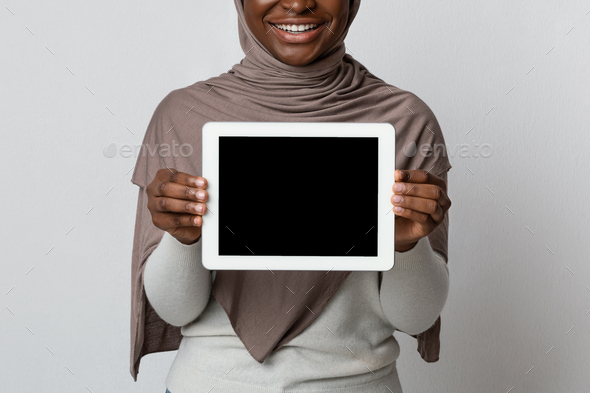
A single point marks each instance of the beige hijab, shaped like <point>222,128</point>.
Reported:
<point>334,88</point>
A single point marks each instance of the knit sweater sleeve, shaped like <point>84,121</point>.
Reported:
<point>176,284</point>
<point>413,293</point>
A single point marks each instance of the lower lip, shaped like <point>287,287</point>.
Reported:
<point>300,38</point>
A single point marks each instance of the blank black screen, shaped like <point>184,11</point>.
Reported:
<point>298,196</point>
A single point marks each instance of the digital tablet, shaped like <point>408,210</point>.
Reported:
<point>298,196</point>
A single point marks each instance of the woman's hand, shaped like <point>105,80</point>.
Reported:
<point>420,202</point>
<point>174,202</point>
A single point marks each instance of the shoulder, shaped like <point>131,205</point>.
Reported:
<point>173,103</point>
<point>417,130</point>
<point>413,116</point>
<point>175,111</point>
<point>414,105</point>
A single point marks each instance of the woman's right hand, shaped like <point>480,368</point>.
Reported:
<point>175,202</point>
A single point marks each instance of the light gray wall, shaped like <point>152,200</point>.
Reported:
<point>514,76</point>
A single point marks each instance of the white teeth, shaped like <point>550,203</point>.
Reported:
<point>296,28</point>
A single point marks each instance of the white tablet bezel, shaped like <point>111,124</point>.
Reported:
<point>210,159</point>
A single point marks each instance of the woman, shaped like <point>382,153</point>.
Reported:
<point>338,336</point>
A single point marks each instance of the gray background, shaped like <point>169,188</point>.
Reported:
<point>79,76</point>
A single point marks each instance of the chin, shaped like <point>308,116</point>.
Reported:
<point>297,60</point>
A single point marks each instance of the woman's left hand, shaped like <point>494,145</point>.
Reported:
<point>419,202</point>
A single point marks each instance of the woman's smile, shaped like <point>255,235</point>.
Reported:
<point>296,32</point>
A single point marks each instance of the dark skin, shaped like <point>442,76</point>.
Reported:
<point>422,208</point>
<point>259,13</point>
<point>176,201</point>
<point>174,198</point>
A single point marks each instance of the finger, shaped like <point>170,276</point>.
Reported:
<point>428,191</point>
<point>179,191</point>
<point>426,206</point>
<point>173,205</point>
<point>418,176</point>
<point>421,218</point>
<point>174,176</point>
<point>168,221</point>
<point>400,175</point>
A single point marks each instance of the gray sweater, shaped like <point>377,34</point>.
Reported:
<point>348,348</point>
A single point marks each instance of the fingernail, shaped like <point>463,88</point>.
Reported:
<point>397,198</point>
<point>201,195</point>
<point>199,208</point>
<point>398,187</point>
<point>399,209</point>
<point>200,182</point>
<point>403,175</point>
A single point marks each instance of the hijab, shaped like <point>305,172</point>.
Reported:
<point>333,88</point>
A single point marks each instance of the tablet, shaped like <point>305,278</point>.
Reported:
<point>298,196</point>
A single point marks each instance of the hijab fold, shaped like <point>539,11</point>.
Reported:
<point>333,88</point>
